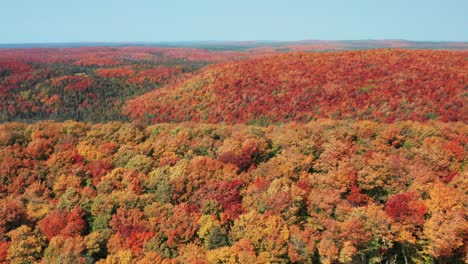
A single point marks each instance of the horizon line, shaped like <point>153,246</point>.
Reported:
<point>226,41</point>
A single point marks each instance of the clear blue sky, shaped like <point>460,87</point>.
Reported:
<point>39,21</point>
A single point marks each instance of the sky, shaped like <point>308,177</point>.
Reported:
<point>55,21</point>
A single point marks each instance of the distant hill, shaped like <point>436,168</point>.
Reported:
<point>384,85</point>
<point>247,45</point>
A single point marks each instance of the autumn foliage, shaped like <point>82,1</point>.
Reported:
<point>327,191</point>
<point>330,157</point>
<point>382,85</point>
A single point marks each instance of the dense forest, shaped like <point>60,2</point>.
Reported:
<point>234,155</point>
<point>334,191</point>
<point>382,85</point>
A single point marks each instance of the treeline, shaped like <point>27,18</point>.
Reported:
<point>325,191</point>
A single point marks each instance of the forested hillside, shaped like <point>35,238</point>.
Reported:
<point>94,84</point>
<point>381,85</point>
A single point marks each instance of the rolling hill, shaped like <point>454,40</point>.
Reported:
<point>383,85</point>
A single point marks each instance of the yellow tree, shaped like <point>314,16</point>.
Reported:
<point>267,233</point>
<point>26,245</point>
<point>446,229</point>
<point>65,250</point>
